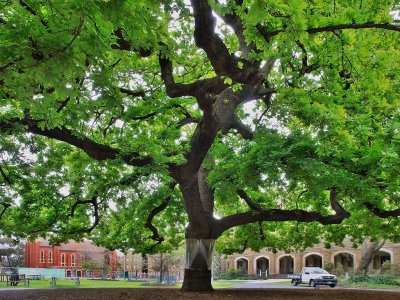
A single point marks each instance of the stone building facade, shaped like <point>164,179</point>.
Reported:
<point>264,263</point>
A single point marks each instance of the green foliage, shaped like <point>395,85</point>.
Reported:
<point>332,121</point>
<point>378,279</point>
<point>329,267</point>
<point>231,274</point>
<point>390,268</point>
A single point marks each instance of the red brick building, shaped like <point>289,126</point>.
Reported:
<point>71,256</point>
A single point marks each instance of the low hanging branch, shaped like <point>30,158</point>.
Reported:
<point>155,211</point>
<point>5,207</point>
<point>95,205</point>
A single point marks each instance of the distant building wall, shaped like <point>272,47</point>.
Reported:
<point>286,263</point>
<point>69,256</point>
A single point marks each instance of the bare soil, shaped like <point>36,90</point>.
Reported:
<point>174,294</point>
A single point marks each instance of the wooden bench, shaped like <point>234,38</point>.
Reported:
<point>14,279</point>
<point>35,277</point>
<point>53,282</point>
<point>75,279</point>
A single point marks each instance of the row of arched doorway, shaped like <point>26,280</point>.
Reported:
<point>286,263</point>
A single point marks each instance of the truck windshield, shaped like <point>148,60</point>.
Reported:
<point>319,271</point>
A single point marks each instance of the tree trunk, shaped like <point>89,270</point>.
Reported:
<point>161,268</point>
<point>368,255</point>
<point>197,276</point>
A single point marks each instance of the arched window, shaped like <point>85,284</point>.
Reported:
<point>262,266</point>
<point>242,266</point>
<point>50,256</point>
<point>42,256</point>
<point>344,261</point>
<point>286,265</point>
<point>314,260</point>
<point>63,260</point>
<point>380,258</point>
<point>73,260</point>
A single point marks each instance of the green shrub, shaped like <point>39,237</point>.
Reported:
<point>231,271</point>
<point>358,278</point>
<point>329,267</point>
<point>230,275</point>
<point>379,279</point>
<point>339,269</point>
<point>389,268</point>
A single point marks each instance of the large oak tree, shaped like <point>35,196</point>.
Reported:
<point>265,123</point>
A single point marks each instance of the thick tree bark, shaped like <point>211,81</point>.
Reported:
<point>199,253</point>
<point>368,255</point>
<point>197,281</point>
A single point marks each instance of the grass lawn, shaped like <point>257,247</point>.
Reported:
<point>280,282</point>
<point>369,285</point>
<point>84,283</point>
<point>88,283</point>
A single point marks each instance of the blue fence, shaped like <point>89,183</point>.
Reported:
<point>47,273</point>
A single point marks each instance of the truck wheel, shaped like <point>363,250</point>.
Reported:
<point>312,283</point>
<point>295,282</point>
<point>332,285</point>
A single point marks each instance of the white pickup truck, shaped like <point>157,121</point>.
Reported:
<point>314,277</point>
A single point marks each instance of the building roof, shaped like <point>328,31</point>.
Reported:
<point>84,246</point>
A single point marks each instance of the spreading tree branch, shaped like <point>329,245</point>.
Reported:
<point>305,68</point>
<point>281,215</point>
<point>253,205</point>
<point>242,129</point>
<point>155,211</point>
<point>139,93</point>
<point>5,207</point>
<point>4,175</point>
<point>126,45</point>
<point>37,55</point>
<point>382,213</point>
<point>207,39</point>
<point>33,13</point>
<point>330,28</point>
<point>93,149</point>
<point>3,68</point>
<point>95,205</point>
<point>63,104</point>
<point>188,120</point>
<point>236,24</point>
<point>196,89</point>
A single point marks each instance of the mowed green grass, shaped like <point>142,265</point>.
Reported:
<point>89,283</point>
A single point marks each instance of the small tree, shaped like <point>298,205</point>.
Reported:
<point>370,249</point>
<point>165,262</point>
<point>11,253</point>
<point>329,266</point>
<point>218,264</point>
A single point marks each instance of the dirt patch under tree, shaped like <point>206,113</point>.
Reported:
<point>165,294</point>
